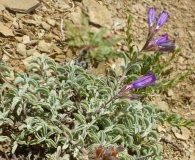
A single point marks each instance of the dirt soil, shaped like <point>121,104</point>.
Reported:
<point>31,32</point>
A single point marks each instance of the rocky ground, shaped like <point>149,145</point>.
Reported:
<point>35,28</point>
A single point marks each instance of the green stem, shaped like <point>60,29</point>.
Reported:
<point>105,104</point>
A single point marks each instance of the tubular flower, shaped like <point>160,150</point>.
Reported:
<point>151,16</point>
<point>162,39</point>
<point>162,19</point>
<point>140,83</point>
<point>161,43</point>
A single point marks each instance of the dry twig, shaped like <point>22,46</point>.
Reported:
<point>173,144</point>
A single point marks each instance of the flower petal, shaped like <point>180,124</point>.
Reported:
<point>162,39</point>
<point>151,16</point>
<point>144,81</point>
<point>162,19</point>
<point>162,43</point>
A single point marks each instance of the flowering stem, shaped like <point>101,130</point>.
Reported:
<point>122,78</point>
<point>150,36</point>
<point>105,104</point>
<point>115,96</point>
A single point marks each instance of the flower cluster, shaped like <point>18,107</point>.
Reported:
<point>162,43</point>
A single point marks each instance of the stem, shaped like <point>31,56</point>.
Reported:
<point>115,96</point>
<point>173,144</point>
<point>122,78</point>
<point>105,104</point>
<point>128,67</point>
<point>150,36</point>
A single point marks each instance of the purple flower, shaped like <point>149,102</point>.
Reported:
<point>166,46</point>
<point>151,16</point>
<point>140,83</point>
<point>162,39</point>
<point>161,43</point>
<point>162,19</point>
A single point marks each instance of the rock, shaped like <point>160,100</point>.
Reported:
<point>161,129</point>
<point>15,23</point>
<point>182,67</point>
<point>33,42</point>
<point>45,26</point>
<point>18,39</point>
<point>75,16</point>
<point>31,51</point>
<point>174,129</point>
<point>62,4</point>
<point>26,39</point>
<point>180,32</point>
<point>38,18</point>
<point>24,6</point>
<point>57,49</point>
<point>41,33</point>
<point>2,7</point>
<point>21,49</point>
<point>170,93</point>
<point>108,1</point>
<point>27,60</point>
<point>52,22</point>
<point>20,24</point>
<point>5,57</point>
<point>119,5</point>
<point>100,70</point>
<point>192,33</point>
<point>95,30</point>
<point>48,37</point>
<point>125,48</point>
<point>185,132</point>
<point>192,157</point>
<point>184,135</point>
<point>163,105</point>
<point>168,69</point>
<point>97,13</point>
<point>69,53</point>
<point>28,20</point>
<point>138,7</point>
<point>60,58</point>
<point>119,24</point>
<point>116,65</point>
<point>43,46</point>
<point>5,31</point>
<point>181,60</point>
<point>179,136</point>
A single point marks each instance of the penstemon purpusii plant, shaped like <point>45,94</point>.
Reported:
<point>62,112</point>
